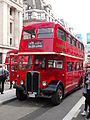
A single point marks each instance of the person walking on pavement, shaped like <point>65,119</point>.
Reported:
<point>3,76</point>
<point>88,92</point>
<point>84,113</point>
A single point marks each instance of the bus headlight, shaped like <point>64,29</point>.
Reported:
<point>44,83</point>
<point>21,82</point>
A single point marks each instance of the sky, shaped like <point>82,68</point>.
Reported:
<point>75,12</point>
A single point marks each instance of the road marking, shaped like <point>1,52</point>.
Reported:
<point>77,112</point>
<point>72,112</point>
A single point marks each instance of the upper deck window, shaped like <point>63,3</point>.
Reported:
<point>69,38</point>
<point>45,33</point>
<point>80,46</point>
<point>77,45</point>
<point>60,34</point>
<point>73,42</point>
<point>28,34</point>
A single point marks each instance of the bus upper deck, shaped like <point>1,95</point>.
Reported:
<point>48,37</point>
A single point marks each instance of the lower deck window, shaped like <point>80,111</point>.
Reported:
<point>68,66</point>
<point>55,64</point>
<point>24,62</point>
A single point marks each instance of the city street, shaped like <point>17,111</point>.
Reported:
<point>41,109</point>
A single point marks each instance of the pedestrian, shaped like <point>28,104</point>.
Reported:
<point>84,113</point>
<point>3,76</point>
<point>88,93</point>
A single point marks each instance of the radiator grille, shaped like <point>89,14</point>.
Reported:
<point>33,81</point>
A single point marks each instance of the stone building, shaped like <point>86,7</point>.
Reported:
<point>10,26</point>
<point>36,11</point>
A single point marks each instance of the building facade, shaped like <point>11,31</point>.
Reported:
<point>10,26</point>
<point>36,11</point>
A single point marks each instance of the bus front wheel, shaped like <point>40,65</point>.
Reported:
<point>57,96</point>
<point>20,95</point>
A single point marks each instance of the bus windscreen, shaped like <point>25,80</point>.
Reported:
<point>45,33</point>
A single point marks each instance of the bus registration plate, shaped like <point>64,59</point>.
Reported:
<point>32,95</point>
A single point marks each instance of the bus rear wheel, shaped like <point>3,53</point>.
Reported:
<point>57,96</point>
<point>20,95</point>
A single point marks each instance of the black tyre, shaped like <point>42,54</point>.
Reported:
<point>20,95</point>
<point>57,96</point>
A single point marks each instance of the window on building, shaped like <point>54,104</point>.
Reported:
<point>69,38</point>
<point>10,41</point>
<point>23,15</point>
<point>10,11</point>
<point>60,34</point>
<point>0,58</point>
<point>68,66</point>
<point>15,0</point>
<point>29,15</point>
<point>39,15</point>
<point>10,28</point>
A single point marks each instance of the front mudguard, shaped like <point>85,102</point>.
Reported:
<point>52,87</point>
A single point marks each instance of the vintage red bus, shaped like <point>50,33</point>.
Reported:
<point>11,62</point>
<point>50,62</point>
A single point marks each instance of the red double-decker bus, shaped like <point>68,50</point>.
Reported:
<point>11,62</point>
<point>50,62</point>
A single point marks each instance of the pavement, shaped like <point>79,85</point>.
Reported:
<point>8,94</point>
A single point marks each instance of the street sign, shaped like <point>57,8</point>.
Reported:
<point>79,36</point>
<point>88,37</point>
<point>88,48</point>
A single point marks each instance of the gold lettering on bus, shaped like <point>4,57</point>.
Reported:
<point>60,46</point>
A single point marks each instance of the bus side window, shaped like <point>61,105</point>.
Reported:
<point>68,66</point>
<point>55,64</point>
<point>59,64</point>
<point>74,67</point>
<point>69,38</point>
<point>73,41</point>
<point>50,63</point>
<point>77,66</point>
<point>60,34</point>
<point>80,66</point>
